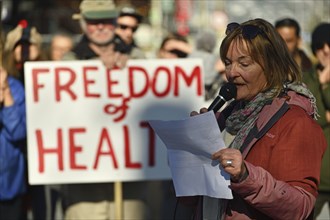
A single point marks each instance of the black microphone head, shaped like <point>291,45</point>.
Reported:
<point>228,91</point>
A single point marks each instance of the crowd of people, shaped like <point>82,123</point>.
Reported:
<point>276,170</point>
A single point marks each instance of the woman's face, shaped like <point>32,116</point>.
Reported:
<point>245,73</point>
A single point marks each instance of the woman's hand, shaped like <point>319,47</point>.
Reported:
<point>201,111</point>
<point>232,162</point>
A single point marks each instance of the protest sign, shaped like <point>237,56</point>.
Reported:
<point>88,124</point>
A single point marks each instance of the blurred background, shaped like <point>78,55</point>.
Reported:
<point>186,17</point>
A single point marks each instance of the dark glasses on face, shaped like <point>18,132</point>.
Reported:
<point>101,21</point>
<point>124,27</point>
<point>248,31</point>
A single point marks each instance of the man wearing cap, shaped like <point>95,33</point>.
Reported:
<point>97,20</point>
<point>128,22</point>
<point>96,200</point>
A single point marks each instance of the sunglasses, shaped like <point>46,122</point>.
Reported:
<point>101,21</point>
<point>178,53</point>
<point>248,31</point>
<point>124,27</point>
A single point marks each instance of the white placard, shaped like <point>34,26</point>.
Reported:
<point>89,124</point>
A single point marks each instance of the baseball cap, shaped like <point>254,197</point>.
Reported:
<point>130,11</point>
<point>97,9</point>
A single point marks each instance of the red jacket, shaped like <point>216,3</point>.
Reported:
<point>283,157</point>
<point>284,171</point>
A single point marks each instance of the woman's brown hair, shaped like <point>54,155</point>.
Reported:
<point>268,49</point>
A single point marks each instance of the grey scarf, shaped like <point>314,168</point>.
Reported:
<point>242,120</point>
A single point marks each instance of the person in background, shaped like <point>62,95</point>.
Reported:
<point>24,43</point>
<point>175,46</point>
<point>318,80</point>
<point>206,41</point>
<point>97,20</point>
<point>60,44</point>
<point>12,151</point>
<point>274,166</point>
<point>128,22</point>
<point>96,200</point>
<point>289,29</point>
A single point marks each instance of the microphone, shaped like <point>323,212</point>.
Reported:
<point>227,92</point>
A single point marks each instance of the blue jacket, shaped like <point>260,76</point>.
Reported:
<point>12,135</point>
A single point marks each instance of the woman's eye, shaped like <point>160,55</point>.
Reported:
<point>227,63</point>
<point>244,64</point>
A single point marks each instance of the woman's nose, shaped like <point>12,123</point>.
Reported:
<point>100,25</point>
<point>232,71</point>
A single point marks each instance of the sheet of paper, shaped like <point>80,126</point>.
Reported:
<point>190,143</point>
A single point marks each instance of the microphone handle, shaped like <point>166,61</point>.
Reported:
<point>217,103</point>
